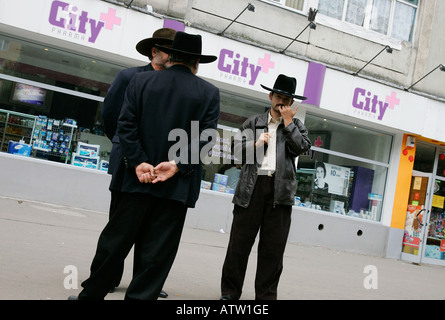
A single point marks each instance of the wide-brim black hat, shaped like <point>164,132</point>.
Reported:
<point>162,36</point>
<point>188,45</point>
<point>286,86</point>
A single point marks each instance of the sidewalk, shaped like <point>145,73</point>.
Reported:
<point>38,241</point>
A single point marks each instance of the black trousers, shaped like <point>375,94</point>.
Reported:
<point>155,227</point>
<point>273,223</point>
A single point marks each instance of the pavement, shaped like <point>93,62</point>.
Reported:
<point>46,251</point>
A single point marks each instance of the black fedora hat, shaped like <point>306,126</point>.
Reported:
<point>286,86</point>
<point>189,45</point>
<point>162,36</point>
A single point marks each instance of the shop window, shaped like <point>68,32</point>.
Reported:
<point>348,180</point>
<point>441,165</point>
<point>235,109</point>
<point>435,242</point>
<point>424,159</point>
<point>42,82</point>
<point>394,18</point>
<point>349,139</point>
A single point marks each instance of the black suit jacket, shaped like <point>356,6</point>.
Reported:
<point>174,105</point>
<point>110,113</point>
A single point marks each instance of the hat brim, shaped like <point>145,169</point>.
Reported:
<point>202,58</point>
<point>285,93</point>
<point>144,46</point>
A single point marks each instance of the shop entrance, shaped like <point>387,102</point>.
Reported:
<point>424,234</point>
<point>434,248</point>
<point>415,226</point>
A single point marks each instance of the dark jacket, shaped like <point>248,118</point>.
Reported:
<point>110,113</point>
<point>157,103</point>
<point>292,141</point>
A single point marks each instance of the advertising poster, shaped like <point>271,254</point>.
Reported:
<point>331,179</point>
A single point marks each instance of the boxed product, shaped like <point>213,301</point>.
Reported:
<point>88,150</point>
<point>20,148</point>
<point>229,190</point>
<point>206,185</point>
<point>337,207</point>
<point>103,165</point>
<point>220,179</point>
<point>85,162</point>
<point>218,187</point>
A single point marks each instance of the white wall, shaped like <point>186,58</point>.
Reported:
<point>61,184</point>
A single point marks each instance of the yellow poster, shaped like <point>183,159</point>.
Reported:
<point>438,201</point>
<point>417,183</point>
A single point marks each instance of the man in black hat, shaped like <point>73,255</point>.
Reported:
<point>268,145</point>
<point>113,104</point>
<point>160,181</point>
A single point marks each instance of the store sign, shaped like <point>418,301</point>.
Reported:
<point>240,69</point>
<point>371,105</point>
<point>73,22</point>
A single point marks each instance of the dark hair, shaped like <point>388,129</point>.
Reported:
<point>321,165</point>
<point>184,59</point>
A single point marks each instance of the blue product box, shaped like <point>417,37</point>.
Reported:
<point>220,179</point>
<point>88,150</point>
<point>104,165</point>
<point>19,148</point>
<point>218,187</point>
<point>230,190</point>
<point>85,162</point>
<point>206,185</point>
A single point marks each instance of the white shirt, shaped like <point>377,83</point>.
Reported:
<point>270,157</point>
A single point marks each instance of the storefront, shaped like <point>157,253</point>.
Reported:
<point>424,230</point>
<point>65,54</point>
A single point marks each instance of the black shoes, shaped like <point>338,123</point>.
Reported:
<point>163,294</point>
<point>227,297</point>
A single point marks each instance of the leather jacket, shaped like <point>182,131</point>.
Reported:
<point>291,142</point>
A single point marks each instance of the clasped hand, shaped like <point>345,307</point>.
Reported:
<point>147,173</point>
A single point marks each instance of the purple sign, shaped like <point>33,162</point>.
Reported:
<point>371,104</point>
<point>234,66</point>
<point>70,21</point>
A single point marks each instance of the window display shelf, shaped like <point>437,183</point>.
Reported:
<point>15,127</point>
<point>53,139</point>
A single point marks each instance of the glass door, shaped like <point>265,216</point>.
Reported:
<point>416,213</point>
<point>434,249</point>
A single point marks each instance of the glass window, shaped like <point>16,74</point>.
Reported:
<point>441,164</point>
<point>63,85</point>
<point>424,158</point>
<point>356,12</point>
<point>338,178</point>
<point>404,18</point>
<point>394,18</point>
<point>348,138</point>
<point>381,10</point>
<point>296,4</point>
<point>235,109</point>
<point>332,8</point>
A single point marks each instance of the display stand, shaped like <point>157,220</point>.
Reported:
<point>52,139</point>
<point>15,126</point>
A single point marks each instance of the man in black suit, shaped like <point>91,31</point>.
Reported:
<point>113,104</point>
<point>160,181</point>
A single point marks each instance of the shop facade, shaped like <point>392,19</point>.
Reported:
<point>358,187</point>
